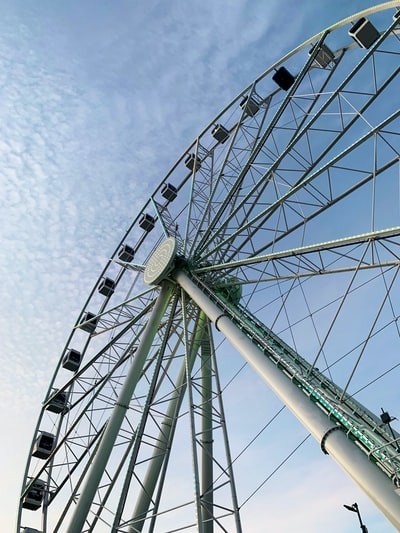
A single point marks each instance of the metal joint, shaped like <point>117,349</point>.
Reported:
<point>124,406</point>
<point>216,320</point>
<point>326,435</point>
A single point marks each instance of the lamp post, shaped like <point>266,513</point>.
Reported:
<point>354,509</point>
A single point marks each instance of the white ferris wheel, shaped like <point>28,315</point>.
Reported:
<point>270,249</point>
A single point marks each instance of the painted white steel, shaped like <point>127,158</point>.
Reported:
<point>114,424</point>
<point>374,483</point>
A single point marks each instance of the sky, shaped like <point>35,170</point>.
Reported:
<point>98,100</point>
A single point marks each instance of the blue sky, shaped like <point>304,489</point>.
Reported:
<point>98,100</point>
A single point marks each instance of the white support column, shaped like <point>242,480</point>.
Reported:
<point>117,416</point>
<point>145,496</point>
<point>374,483</point>
<point>207,437</point>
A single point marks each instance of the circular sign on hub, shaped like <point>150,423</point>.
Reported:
<point>159,264</point>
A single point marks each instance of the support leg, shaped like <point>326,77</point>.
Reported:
<point>114,424</point>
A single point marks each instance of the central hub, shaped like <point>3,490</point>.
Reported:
<point>159,265</point>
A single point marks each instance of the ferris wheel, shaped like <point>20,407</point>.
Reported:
<point>270,249</point>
